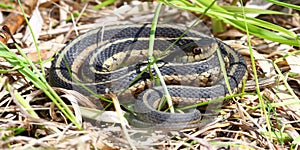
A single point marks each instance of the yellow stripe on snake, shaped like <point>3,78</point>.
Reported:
<point>110,58</point>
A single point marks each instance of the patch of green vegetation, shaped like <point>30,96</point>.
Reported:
<point>5,6</point>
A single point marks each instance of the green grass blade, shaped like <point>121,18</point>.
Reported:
<point>103,4</point>
<point>34,39</point>
<point>5,6</point>
<point>236,9</point>
<point>25,104</point>
<point>260,98</point>
<point>296,7</point>
<point>151,58</point>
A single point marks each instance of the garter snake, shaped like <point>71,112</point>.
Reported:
<point>110,58</point>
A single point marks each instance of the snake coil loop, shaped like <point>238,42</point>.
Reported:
<point>106,59</point>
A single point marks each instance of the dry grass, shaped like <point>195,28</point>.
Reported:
<point>241,123</point>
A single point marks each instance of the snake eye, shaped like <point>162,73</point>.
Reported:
<point>197,50</point>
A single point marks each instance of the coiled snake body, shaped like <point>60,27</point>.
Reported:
<point>112,57</point>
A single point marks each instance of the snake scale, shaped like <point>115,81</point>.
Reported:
<point>111,58</point>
